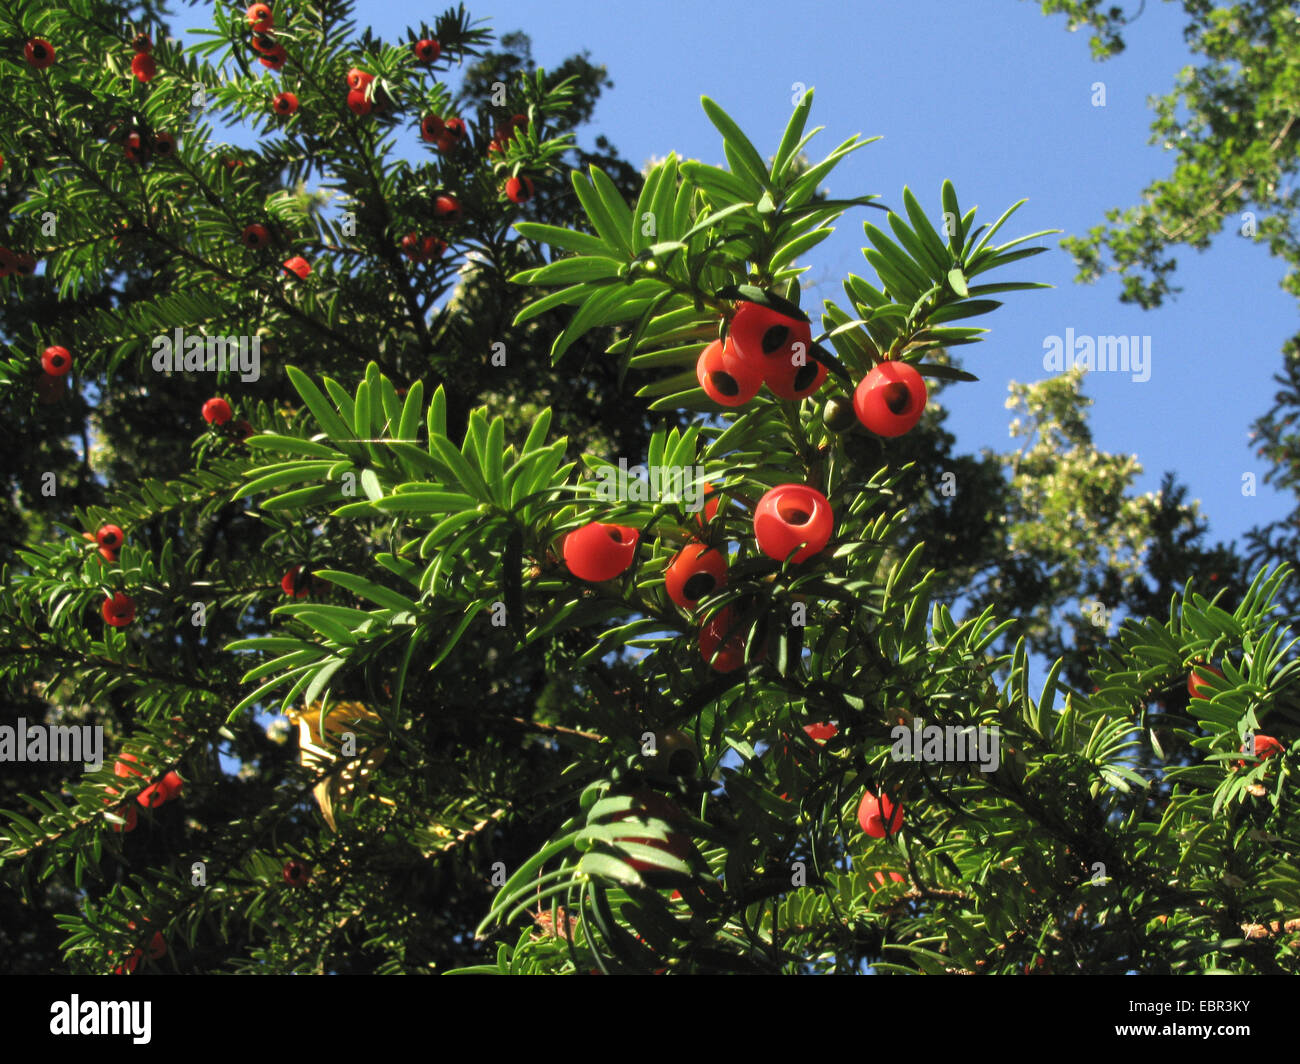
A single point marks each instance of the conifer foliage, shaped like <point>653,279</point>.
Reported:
<point>553,716</point>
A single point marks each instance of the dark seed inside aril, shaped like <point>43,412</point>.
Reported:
<point>774,339</point>
<point>725,383</point>
<point>897,397</point>
<point>806,374</point>
<point>699,585</point>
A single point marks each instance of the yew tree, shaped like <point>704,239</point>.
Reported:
<point>560,709</point>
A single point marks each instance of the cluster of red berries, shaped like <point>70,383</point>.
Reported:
<point>138,149</point>
<point>271,53</point>
<point>506,132</point>
<point>362,98</point>
<point>108,539</point>
<point>766,347</point>
<point>446,134</point>
<point>155,794</point>
<point>419,248</point>
<point>1263,746</point>
<point>257,237</point>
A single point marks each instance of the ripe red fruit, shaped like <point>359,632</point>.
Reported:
<point>427,50</point>
<point>273,56</point>
<point>873,812</point>
<point>118,610</point>
<point>170,786</point>
<point>217,412</point>
<point>597,552</point>
<point>421,249</point>
<point>108,555</point>
<point>519,189</point>
<point>260,17</point>
<point>295,873</point>
<point>650,804</point>
<point>1265,747</point>
<point>726,378</point>
<point>39,53</point>
<point>129,814</point>
<point>164,145</point>
<point>768,338</point>
<point>265,43</point>
<point>1197,684</point>
<point>56,361</point>
<point>728,656</point>
<point>453,133</point>
<point>8,262</point>
<point>694,572</point>
<point>255,236</point>
<point>447,208</point>
<point>143,67</point>
<point>123,767</point>
<point>790,516</point>
<point>359,79</point>
<point>285,104</point>
<point>819,733</point>
<point>296,583</point>
<point>710,509</point>
<point>129,965</point>
<point>789,381</point>
<point>142,43</point>
<point>357,102</point>
<point>243,429</point>
<point>109,536</point>
<point>152,796</point>
<point>880,878</point>
<point>134,148</point>
<point>26,264</point>
<point>431,128</point>
<point>157,946</point>
<point>890,399</point>
<point>298,266</point>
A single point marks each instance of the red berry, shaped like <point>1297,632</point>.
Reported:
<point>260,17</point>
<point>108,555</point>
<point>26,264</point>
<point>1197,684</point>
<point>788,380</point>
<point>265,43</point>
<point>296,583</point>
<point>873,813</point>
<point>728,656</point>
<point>694,572</point>
<point>286,103</point>
<point>157,946</point>
<point>453,133</point>
<point>170,786</point>
<point>152,796</point>
<point>447,208</point>
<point>890,399</point>
<point>129,965</point>
<point>298,266</point>
<point>134,147</point>
<point>255,236</point>
<point>767,338</point>
<point>790,516</point>
<point>142,43</point>
<point>56,361</point>
<point>129,814</point>
<point>118,610</point>
<point>821,732</point>
<point>164,145</point>
<point>109,536</point>
<point>217,412</point>
<point>710,509</point>
<point>39,53</point>
<point>359,79</point>
<point>427,50</point>
<point>519,189</point>
<point>274,56</point>
<point>123,767</point>
<point>243,429</point>
<point>650,804</point>
<point>599,552</point>
<point>358,104</point>
<point>8,262</point>
<point>143,67</point>
<point>727,379</point>
<point>1265,747</point>
<point>431,128</point>
<point>296,873</point>
<point>880,878</point>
